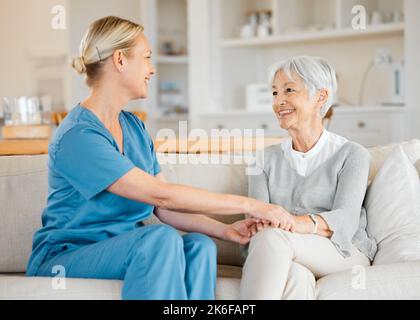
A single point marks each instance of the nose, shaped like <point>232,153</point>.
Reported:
<point>152,70</point>
<point>279,100</point>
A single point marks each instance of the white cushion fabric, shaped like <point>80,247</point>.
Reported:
<point>20,287</point>
<point>382,282</point>
<point>393,210</point>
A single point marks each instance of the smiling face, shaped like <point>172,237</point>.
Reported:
<point>292,103</point>
<point>138,69</point>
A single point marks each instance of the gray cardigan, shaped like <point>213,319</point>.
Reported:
<point>335,190</point>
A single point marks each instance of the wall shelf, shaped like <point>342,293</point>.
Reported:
<point>330,35</point>
<point>161,59</point>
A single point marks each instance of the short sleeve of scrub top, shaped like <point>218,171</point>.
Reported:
<point>89,162</point>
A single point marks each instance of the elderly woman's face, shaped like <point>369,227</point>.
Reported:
<point>292,103</point>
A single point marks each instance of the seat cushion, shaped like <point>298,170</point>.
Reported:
<point>21,287</point>
<point>381,282</point>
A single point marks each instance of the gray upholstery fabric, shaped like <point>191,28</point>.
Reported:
<point>23,192</point>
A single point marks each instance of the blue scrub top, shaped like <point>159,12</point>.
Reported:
<point>84,160</point>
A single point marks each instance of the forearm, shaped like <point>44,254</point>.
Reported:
<point>192,222</point>
<point>306,225</point>
<point>142,187</point>
<point>191,200</point>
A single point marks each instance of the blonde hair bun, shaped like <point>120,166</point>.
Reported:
<point>79,65</point>
<point>100,41</point>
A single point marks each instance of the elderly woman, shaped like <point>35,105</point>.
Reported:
<point>104,181</point>
<point>320,178</point>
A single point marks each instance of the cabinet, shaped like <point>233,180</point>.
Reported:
<point>369,126</point>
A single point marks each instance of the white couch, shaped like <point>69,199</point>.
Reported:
<point>23,192</point>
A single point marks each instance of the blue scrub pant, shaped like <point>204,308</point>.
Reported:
<point>155,262</point>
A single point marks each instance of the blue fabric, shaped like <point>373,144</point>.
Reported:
<point>154,261</point>
<point>84,160</point>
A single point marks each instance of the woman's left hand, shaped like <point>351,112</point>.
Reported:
<point>239,231</point>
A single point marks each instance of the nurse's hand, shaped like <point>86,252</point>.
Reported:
<point>239,231</point>
<point>276,215</point>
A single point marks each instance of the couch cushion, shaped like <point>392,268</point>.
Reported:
<point>223,178</point>
<point>393,210</point>
<point>382,282</point>
<point>18,286</point>
<point>23,194</point>
<point>381,153</point>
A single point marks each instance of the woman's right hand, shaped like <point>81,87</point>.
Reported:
<point>275,215</point>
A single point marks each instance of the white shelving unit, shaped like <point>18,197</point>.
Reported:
<point>301,27</point>
<point>389,29</point>
<point>162,59</point>
<point>166,24</point>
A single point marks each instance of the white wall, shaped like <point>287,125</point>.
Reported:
<point>27,40</point>
<point>412,53</point>
<point>81,14</point>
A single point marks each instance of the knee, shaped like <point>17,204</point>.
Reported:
<point>301,284</point>
<point>302,274</point>
<point>270,236</point>
<point>201,243</point>
<point>164,235</point>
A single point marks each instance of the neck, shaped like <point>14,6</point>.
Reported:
<point>304,139</point>
<point>106,104</point>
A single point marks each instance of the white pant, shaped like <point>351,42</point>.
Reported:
<point>285,265</point>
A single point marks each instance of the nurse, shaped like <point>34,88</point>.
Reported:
<point>104,180</point>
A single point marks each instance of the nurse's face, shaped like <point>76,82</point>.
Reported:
<point>138,70</point>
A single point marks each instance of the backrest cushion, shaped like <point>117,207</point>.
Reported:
<point>23,194</point>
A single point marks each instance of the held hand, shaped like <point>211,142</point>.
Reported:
<point>259,225</point>
<point>303,224</point>
<point>276,215</point>
<point>239,231</point>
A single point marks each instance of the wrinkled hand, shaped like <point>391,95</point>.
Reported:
<point>276,216</point>
<point>239,231</point>
<point>259,225</point>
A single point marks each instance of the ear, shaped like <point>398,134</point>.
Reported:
<point>323,96</point>
<point>119,60</point>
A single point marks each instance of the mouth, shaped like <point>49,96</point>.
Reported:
<point>285,113</point>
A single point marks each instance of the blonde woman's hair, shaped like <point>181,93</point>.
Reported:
<point>101,40</point>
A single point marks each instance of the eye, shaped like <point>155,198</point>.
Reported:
<point>274,93</point>
<point>289,90</point>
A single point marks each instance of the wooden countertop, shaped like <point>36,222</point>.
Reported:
<point>36,147</point>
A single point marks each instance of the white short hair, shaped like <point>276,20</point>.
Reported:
<point>316,74</point>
